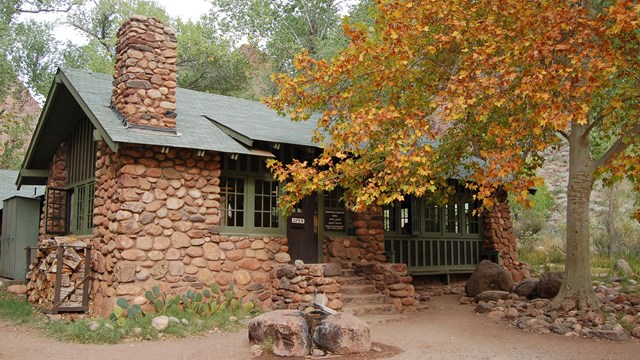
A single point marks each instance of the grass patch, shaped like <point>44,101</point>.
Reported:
<point>17,310</point>
<point>105,331</point>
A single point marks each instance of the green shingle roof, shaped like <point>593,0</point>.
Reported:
<point>204,122</point>
<point>8,187</point>
<point>194,129</point>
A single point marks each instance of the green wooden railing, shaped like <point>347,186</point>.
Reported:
<point>425,256</point>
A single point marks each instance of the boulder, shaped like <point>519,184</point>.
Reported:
<point>343,334</point>
<point>488,276</point>
<point>623,267</point>
<point>549,284</point>
<point>160,322</point>
<point>528,287</point>
<point>492,295</point>
<point>287,330</point>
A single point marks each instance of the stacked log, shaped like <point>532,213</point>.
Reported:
<point>41,287</point>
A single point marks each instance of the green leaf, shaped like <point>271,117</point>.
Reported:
<point>132,313</point>
<point>122,302</point>
<point>206,293</point>
<point>191,295</point>
<point>149,295</point>
<point>215,289</point>
<point>117,311</point>
<point>213,307</point>
<point>156,290</point>
<point>198,297</point>
<point>159,305</point>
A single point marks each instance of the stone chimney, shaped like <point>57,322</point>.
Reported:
<point>144,81</point>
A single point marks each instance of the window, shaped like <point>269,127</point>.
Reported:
<point>452,217</point>
<point>232,201</point>
<point>432,222</point>
<point>82,213</point>
<point>248,196</point>
<point>266,204</point>
<point>457,217</point>
<point>472,219</point>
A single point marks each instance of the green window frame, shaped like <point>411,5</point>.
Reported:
<point>458,217</point>
<point>249,197</point>
<point>265,212</point>
<point>82,197</point>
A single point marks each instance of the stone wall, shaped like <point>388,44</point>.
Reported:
<point>341,249</point>
<point>294,285</point>
<point>499,235</point>
<point>145,74</point>
<point>156,223</point>
<point>391,280</point>
<point>370,232</point>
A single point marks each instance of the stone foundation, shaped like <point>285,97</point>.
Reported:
<point>499,235</point>
<point>391,280</point>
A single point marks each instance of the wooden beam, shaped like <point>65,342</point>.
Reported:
<point>35,173</point>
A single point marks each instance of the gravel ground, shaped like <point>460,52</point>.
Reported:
<point>445,330</point>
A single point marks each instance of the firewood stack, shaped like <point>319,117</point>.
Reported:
<point>42,273</point>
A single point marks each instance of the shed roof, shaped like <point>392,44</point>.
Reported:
<point>204,122</point>
<point>8,189</point>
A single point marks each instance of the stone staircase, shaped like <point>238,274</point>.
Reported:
<point>360,298</point>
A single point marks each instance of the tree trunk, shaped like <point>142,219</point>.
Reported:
<point>576,290</point>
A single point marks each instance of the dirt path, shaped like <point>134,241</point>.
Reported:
<point>444,331</point>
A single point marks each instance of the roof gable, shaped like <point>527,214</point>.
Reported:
<point>204,121</point>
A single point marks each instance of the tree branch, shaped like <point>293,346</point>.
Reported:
<point>563,134</point>
<point>100,40</point>
<point>44,10</point>
<point>597,121</point>
<point>619,146</point>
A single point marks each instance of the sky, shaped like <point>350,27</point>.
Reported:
<point>184,9</point>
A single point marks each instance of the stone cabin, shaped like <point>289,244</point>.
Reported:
<point>169,187</point>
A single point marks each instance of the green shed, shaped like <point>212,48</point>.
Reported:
<point>20,220</point>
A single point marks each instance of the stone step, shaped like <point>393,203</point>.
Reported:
<point>358,289</point>
<point>377,309</point>
<point>354,280</point>
<point>368,299</point>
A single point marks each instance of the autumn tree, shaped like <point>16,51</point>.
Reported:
<point>475,90</point>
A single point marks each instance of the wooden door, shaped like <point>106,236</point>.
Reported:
<point>302,231</point>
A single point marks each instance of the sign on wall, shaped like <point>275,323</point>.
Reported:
<point>334,220</point>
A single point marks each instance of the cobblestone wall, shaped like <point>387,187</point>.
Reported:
<point>156,223</point>
<point>145,74</point>
<point>391,280</point>
<point>294,285</point>
<point>499,235</point>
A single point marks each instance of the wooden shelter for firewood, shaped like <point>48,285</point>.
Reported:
<point>59,276</point>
